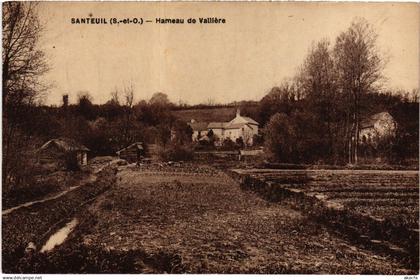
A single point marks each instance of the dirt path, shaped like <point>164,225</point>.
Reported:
<point>90,179</point>
<point>201,218</point>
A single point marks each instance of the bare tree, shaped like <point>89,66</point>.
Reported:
<point>415,95</point>
<point>359,67</point>
<point>210,101</point>
<point>23,64</point>
<point>129,95</point>
<point>115,97</point>
<point>128,106</point>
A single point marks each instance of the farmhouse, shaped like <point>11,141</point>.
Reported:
<point>199,129</point>
<point>377,126</point>
<point>133,152</point>
<point>239,127</point>
<point>61,151</point>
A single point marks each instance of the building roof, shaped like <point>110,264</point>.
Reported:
<point>371,120</point>
<point>218,125</point>
<point>235,125</point>
<point>227,125</point>
<point>138,145</point>
<point>236,122</point>
<point>64,144</point>
<point>251,121</point>
<point>198,126</point>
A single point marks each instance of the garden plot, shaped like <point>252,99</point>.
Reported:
<point>379,204</point>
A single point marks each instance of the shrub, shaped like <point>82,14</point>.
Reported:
<point>228,144</point>
<point>70,160</point>
<point>176,153</point>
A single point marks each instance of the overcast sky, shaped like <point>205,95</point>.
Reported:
<point>260,45</point>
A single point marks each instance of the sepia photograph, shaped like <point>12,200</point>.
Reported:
<point>277,138</point>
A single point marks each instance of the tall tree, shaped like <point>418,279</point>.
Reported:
<point>359,68</point>
<point>23,65</point>
<point>317,82</point>
<point>85,105</point>
<point>279,99</point>
<point>128,109</point>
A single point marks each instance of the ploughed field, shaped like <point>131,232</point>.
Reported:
<point>392,195</point>
<point>197,219</point>
<point>376,207</point>
<point>190,218</point>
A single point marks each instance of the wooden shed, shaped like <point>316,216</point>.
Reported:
<point>152,152</point>
<point>132,153</point>
<point>63,152</point>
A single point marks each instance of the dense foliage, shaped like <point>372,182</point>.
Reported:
<point>314,117</point>
<point>317,116</point>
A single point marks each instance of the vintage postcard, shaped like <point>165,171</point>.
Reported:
<point>210,138</point>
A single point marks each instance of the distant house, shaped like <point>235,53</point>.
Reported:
<point>133,152</point>
<point>199,129</point>
<point>377,126</point>
<point>239,127</point>
<point>59,151</point>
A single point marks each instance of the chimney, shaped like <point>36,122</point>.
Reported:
<point>238,112</point>
<point>65,100</point>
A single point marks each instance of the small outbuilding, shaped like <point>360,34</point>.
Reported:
<point>132,153</point>
<point>377,126</point>
<point>63,152</point>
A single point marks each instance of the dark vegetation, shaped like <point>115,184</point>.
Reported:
<point>317,116</point>
<point>52,182</point>
<point>313,118</point>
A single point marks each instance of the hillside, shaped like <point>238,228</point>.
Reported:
<point>221,114</point>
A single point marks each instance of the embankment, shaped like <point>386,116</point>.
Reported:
<point>38,221</point>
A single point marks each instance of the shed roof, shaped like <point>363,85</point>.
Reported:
<point>138,145</point>
<point>371,120</point>
<point>64,144</point>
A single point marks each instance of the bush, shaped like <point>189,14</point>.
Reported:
<point>294,139</point>
<point>228,144</point>
<point>176,153</point>
<point>257,140</point>
<point>70,160</point>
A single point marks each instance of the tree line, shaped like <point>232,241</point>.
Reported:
<point>313,117</point>
<point>316,116</point>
